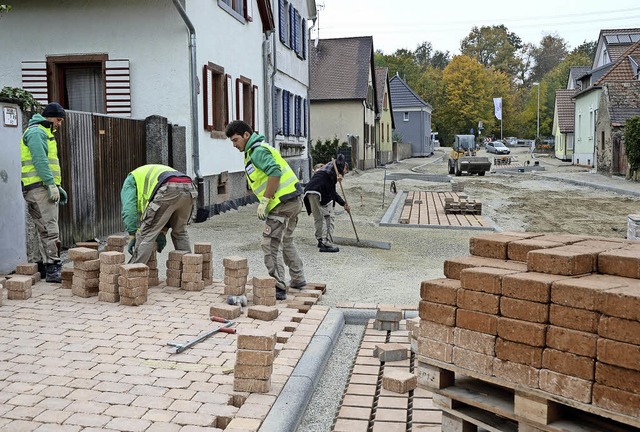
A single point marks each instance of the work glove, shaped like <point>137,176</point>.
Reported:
<point>64,198</point>
<point>54,193</point>
<point>132,243</point>
<point>262,208</point>
<point>161,240</point>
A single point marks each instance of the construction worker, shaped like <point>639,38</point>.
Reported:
<point>320,197</point>
<point>164,198</point>
<point>278,189</point>
<point>41,179</point>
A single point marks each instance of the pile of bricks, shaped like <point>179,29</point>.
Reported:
<point>205,250</point>
<point>29,269</point>
<point>457,187</point>
<point>174,268</point>
<point>462,205</point>
<point>133,284</point>
<point>116,243</point>
<point>19,287</point>
<point>86,271</point>
<point>236,271</point>
<point>264,291</point>
<point>558,313</point>
<point>192,272</point>
<point>388,318</point>
<point>89,245</point>
<point>67,277</point>
<point>154,278</point>
<point>254,362</point>
<point>110,263</point>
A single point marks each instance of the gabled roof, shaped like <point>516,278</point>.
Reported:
<point>340,68</point>
<point>623,101</point>
<point>402,96</point>
<point>575,73</point>
<point>625,68</point>
<point>565,107</point>
<point>381,82</point>
<point>615,42</point>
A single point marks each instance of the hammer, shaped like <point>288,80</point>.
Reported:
<point>240,300</point>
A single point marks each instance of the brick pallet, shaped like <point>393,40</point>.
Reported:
<point>544,324</point>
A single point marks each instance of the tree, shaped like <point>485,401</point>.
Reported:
<point>440,59</point>
<point>549,54</point>
<point>586,48</point>
<point>322,152</point>
<point>632,146</point>
<point>4,8</point>
<point>493,46</point>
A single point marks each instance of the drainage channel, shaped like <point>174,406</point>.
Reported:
<point>314,393</point>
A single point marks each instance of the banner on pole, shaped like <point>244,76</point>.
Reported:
<point>497,103</point>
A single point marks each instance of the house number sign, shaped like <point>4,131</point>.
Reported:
<point>10,116</point>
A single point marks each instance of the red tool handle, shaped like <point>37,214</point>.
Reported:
<point>230,330</point>
<point>219,319</point>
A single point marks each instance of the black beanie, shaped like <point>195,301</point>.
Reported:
<point>340,163</point>
<point>54,109</point>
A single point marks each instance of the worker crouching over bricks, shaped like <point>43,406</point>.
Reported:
<point>165,199</point>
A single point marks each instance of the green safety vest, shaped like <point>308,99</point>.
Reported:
<point>258,179</point>
<point>29,174</point>
<point>146,178</point>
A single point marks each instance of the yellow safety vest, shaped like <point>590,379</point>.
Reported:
<point>29,174</point>
<point>146,178</point>
<point>258,179</point>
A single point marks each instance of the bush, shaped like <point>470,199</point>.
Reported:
<point>632,145</point>
<point>323,152</point>
<point>23,98</point>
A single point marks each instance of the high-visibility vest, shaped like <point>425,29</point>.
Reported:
<point>146,178</point>
<point>258,179</point>
<point>29,174</point>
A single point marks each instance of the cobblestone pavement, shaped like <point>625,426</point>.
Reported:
<point>76,364</point>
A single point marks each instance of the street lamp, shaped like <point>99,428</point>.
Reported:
<point>538,121</point>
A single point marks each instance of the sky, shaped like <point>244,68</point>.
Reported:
<point>407,23</point>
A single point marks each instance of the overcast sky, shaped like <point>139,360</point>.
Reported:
<point>407,23</point>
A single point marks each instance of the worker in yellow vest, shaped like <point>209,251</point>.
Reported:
<point>41,180</point>
<point>158,197</point>
<point>278,189</point>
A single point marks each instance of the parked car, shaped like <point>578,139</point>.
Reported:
<point>497,147</point>
<point>511,141</point>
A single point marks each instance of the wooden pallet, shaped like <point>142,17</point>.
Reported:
<point>427,209</point>
<point>474,400</point>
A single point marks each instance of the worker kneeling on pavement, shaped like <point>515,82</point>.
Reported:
<point>165,199</point>
<point>41,180</point>
<point>320,198</point>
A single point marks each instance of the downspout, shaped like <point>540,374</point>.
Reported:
<point>268,86</point>
<point>308,110</point>
<point>202,213</point>
<point>273,85</point>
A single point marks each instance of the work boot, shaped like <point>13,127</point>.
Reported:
<point>319,242</point>
<point>42,269</point>
<point>281,294</point>
<point>54,273</point>
<point>298,285</point>
<point>327,248</point>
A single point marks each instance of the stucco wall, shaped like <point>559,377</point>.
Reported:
<point>416,131</point>
<point>584,128</point>
<point>330,119</point>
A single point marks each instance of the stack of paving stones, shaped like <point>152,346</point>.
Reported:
<point>29,269</point>
<point>154,279</point>
<point>264,299</point>
<point>67,277</point>
<point>205,250</point>
<point>556,314</point>
<point>86,271</point>
<point>116,243</point>
<point>90,245</point>
<point>254,361</point>
<point>19,287</point>
<point>388,318</point>
<point>133,284</point>
<point>192,272</point>
<point>236,271</point>
<point>174,268</point>
<point>110,263</point>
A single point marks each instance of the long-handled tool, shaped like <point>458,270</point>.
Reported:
<point>225,328</point>
<point>358,242</point>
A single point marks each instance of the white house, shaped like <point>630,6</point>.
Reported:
<point>146,57</point>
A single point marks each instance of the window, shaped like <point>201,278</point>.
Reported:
<point>406,116</point>
<point>277,107</point>
<point>244,100</point>
<point>602,140</point>
<point>215,97</point>
<point>384,101</point>
<point>240,9</point>
<point>388,127</point>
<point>286,113</point>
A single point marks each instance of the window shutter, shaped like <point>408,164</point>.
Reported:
<point>229,98</point>
<point>297,114</point>
<point>248,10</point>
<point>282,15</point>
<point>118,87</point>
<point>207,94</point>
<point>34,80</point>
<point>304,117</point>
<point>276,118</point>
<point>303,38</point>
<point>296,25</point>
<point>292,27</point>
<point>254,112</point>
<point>285,112</point>
<point>239,101</point>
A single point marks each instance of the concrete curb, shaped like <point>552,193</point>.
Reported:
<point>287,411</point>
<point>593,185</point>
